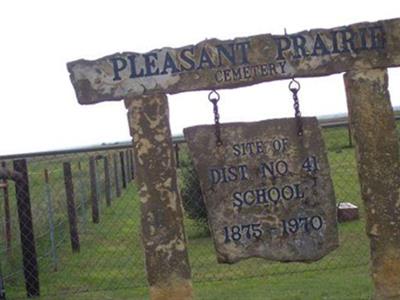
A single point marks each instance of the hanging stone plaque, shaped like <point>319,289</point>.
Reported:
<point>267,190</point>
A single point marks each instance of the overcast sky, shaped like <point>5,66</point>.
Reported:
<point>39,110</point>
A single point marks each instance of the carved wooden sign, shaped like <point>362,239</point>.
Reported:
<point>215,64</point>
<point>267,190</point>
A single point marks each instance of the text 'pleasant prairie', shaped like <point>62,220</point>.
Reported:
<point>233,61</point>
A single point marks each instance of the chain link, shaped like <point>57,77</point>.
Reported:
<point>294,87</point>
<point>214,97</point>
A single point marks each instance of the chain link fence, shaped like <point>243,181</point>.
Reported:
<point>74,229</point>
<point>56,231</point>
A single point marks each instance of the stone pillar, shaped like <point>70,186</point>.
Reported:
<point>374,132</point>
<point>163,237</point>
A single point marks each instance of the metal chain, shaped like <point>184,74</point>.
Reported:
<point>294,87</point>
<point>214,97</point>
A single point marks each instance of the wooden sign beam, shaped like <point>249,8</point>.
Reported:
<point>215,64</point>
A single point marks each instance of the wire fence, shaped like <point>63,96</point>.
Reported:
<point>71,222</point>
<point>56,220</point>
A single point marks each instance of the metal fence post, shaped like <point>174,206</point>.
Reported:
<point>50,216</point>
<point>29,259</point>
<point>128,166</point>
<point>349,135</point>
<point>2,288</point>
<point>116,177</point>
<point>69,190</point>
<point>176,148</point>
<point>7,216</point>
<point>93,191</point>
<point>131,163</point>
<point>98,185</point>
<point>107,181</point>
<point>123,174</point>
<point>82,196</point>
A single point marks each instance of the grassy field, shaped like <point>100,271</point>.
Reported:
<point>110,264</point>
<point>105,268</point>
<point>310,286</point>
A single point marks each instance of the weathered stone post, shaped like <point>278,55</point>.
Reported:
<point>374,131</point>
<point>163,237</point>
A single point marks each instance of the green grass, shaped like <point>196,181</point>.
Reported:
<point>307,285</point>
<point>110,264</point>
<point>347,284</point>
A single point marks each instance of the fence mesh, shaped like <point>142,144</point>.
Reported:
<point>86,223</point>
